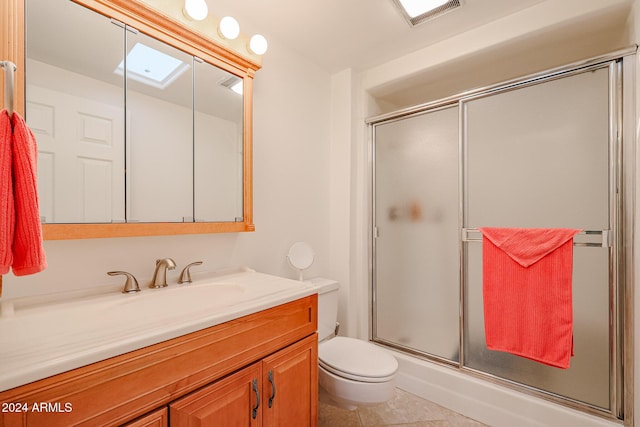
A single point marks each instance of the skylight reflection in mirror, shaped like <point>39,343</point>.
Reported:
<point>152,67</point>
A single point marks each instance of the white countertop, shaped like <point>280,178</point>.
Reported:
<point>48,335</point>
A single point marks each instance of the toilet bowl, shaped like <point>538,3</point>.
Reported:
<point>355,372</point>
<point>351,371</point>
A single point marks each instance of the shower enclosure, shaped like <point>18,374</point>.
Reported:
<point>545,151</point>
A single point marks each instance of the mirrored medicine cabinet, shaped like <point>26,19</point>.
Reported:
<point>143,125</point>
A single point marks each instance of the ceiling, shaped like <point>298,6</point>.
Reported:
<point>368,34</point>
<point>357,34</point>
<point>361,34</point>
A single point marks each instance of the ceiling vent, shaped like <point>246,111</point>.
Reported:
<point>419,11</point>
<point>232,82</point>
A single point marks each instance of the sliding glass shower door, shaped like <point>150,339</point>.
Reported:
<point>416,216</point>
<point>543,152</point>
<point>539,157</point>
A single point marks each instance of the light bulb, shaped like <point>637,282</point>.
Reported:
<point>258,44</point>
<point>229,28</point>
<point>196,9</point>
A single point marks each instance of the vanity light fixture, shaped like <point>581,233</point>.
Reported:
<point>229,28</point>
<point>258,44</point>
<point>419,11</point>
<point>196,9</point>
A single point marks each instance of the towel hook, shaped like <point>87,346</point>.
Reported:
<point>9,69</point>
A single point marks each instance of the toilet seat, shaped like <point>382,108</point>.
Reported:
<point>356,360</point>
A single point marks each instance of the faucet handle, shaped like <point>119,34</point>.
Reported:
<point>130,285</point>
<point>185,276</point>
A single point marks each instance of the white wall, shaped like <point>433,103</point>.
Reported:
<point>291,196</point>
<point>291,163</point>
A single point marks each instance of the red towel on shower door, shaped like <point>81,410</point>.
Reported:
<point>527,295</point>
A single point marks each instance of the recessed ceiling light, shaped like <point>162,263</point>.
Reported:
<point>151,67</point>
<point>418,11</point>
<point>418,7</point>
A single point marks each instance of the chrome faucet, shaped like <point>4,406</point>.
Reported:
<point>160,274</point>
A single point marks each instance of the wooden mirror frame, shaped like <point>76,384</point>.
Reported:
<point>155,24</point>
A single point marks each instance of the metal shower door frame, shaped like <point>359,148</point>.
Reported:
<point>614,237</point>
<point>621,224</point>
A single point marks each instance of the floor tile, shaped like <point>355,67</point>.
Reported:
<point>403,410</point>
<point>330,415</point>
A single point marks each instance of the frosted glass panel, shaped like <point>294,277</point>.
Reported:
<point>538,157</point>
<point>416,213</point>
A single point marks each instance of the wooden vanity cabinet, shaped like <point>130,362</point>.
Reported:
<point>157,418</point>
<point>276,391</point>
<point>294,374</point>
<point>200,376</point>
<point>227,402</point>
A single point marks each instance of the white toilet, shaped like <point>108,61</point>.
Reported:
<point>351,371</point>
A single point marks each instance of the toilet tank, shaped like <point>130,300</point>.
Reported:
<point>327,306</point>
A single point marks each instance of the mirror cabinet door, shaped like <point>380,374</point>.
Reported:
<point>218,144</point>
<point>75,107</point>
<point>159,106</point>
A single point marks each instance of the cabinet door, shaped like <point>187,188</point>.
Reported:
<point>231,402</point>
<point>290,385</point>
<point>158,418</point>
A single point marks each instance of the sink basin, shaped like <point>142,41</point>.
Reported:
<point>200,295</point>
<point>215,294</point>
<point>49,334</point>
<point>174,302</point>
<point>127,312</point>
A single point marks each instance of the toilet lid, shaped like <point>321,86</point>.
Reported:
<point>356,359</point>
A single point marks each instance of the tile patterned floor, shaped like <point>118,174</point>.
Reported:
<point>405,409</point>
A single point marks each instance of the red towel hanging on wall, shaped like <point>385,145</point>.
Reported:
<point>28,251</point>
<point>526,280</point>
<point>7,217</point>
